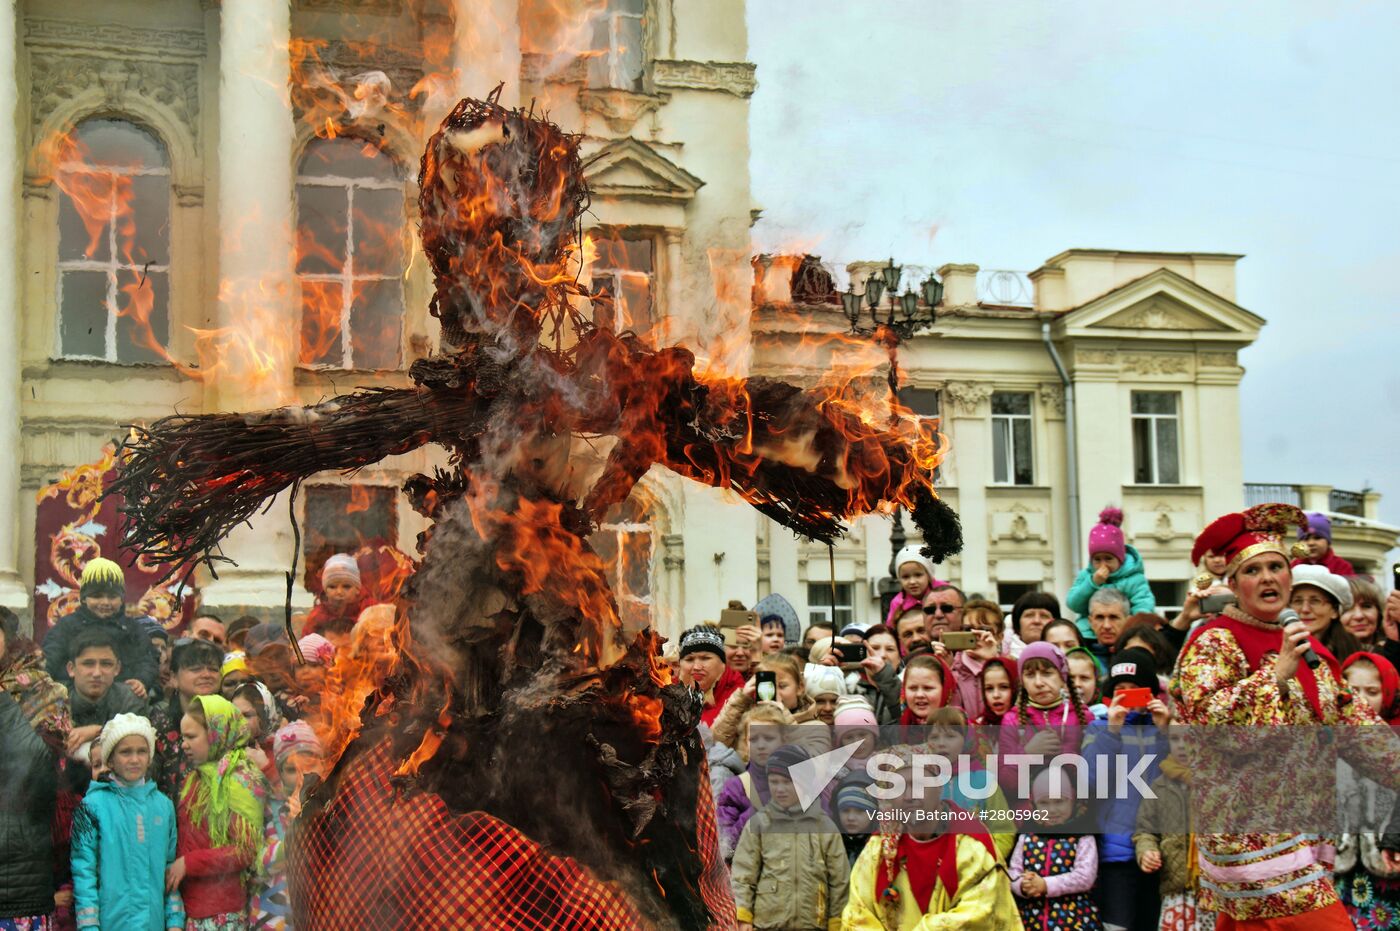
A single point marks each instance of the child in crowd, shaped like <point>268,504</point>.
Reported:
<point>791,694</point>
<point>1134,737</point>
<point>1085,675</point>
<point>1317,537</point>
<point>124,838</point>
<point>971,787</point>
<point>998,689</point>
<point>1111,562</point>
<point>220,816</point>
<point>1052,873</point>
<point>340,601</point>
<point>234,673</point>
<point>855,813</point>
<point>856,723</point>
<point>932,874</point>
<point>297,753</point>
<point>1369,890</point>
<point>762,727</point>
<point>826,686</point>
<point>259,709</point>
<point>310,676</point>
<point>927,684</point>
<point>1049,716</point>
<point>1164,842</point>
<point>916,576</point>
<point>878,682</point>
<point>790,869</point>
<point>778,623</point>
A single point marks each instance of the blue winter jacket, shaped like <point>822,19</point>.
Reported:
<point>1129,579</point>
<point>123,840</point>
<point>1115,805</point>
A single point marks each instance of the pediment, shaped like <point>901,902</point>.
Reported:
<point>627,168</point>
<point>1163,303</point>
<point>1160,312</point>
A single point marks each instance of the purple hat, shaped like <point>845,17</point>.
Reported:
<point>1107,535</point>
<point>1046,651</point>
<point>1318,526</point>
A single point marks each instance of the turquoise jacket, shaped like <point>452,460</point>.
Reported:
<point>1129,579</point>
<point>123,840</point>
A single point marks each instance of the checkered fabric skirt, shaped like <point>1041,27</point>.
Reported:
<point>374,859</point>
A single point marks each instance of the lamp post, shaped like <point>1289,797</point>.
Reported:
<point>891,326</point>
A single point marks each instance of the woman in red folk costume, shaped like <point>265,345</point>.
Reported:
<point>1266,863</point>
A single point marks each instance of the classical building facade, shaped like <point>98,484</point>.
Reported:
<point>186,230</point>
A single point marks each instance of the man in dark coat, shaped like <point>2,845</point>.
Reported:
<point>102,592</point>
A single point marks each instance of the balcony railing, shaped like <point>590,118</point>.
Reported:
<point>1347,502</point>
<point>1272,494</point>
<point>1005,288</point>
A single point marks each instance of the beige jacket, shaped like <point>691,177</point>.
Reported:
<point>790,871</point>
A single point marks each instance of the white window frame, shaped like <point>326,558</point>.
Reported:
<point>825,614</point>
<point>1011,420</point>
<point>1152,420</point>
<point>114,265</point>
<point>347,277</point>
<point>612,278</point>
<point>616,33</point>
<point>623,530</point>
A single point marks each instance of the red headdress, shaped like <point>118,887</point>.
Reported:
<point>1237,537</point>
<point>1390,682</point>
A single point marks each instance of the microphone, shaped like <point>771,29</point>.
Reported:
<point>1288,616</point>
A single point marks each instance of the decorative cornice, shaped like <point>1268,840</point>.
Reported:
<point>1156,363</point>
<point>538,69</point>
<point>1052,397</point>
<point>1219,359</point>
<point>113,39</point>
<point>56,78</point>
<point>967,397</point>
<point>730,77</point>
<point>664,180</point>
<point>620,109</point>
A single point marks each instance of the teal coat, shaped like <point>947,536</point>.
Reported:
<point>1129,579</point>
<point>123,840</point>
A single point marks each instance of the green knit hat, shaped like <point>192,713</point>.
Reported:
<point>100,576</point>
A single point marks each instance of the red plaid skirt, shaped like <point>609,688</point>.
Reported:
<point>372,858</point>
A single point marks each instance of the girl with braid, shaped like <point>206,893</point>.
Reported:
<point>1049,717</point>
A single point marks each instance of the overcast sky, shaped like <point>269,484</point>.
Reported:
<point>1001,133</point>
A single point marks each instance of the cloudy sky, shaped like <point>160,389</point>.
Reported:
<point>1003,132</point>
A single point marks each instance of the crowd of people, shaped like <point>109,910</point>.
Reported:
<point>151,783</point>
<point>1104,675</point>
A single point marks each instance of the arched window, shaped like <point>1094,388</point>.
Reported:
<point>350,255</point>
<point>113,179</point>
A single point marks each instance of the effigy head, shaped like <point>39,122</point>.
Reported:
<point>501,192</point>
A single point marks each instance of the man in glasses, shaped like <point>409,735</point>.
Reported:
<point>195,664</point>
<point>943,609</point>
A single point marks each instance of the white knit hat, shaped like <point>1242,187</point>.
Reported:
<point>125,725</point>
<point>824,680</point>
<point>911,554</point>
<point>341,567</point>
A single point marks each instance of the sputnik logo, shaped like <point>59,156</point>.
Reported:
<point>811,777</point>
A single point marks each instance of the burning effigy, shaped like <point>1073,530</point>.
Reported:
<point>508,752</point>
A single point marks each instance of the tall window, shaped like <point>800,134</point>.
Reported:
<point>343,518</point>
<point>1009,592</point>
<point>625,269</point>
<point>625,543</point>
<point>1012,455</point>
<point>350,256</point>
<point>113,179</point>
<point>924,402</point>
<point>820,609</point>
<point>619,37</point>
<point>1156,438</point>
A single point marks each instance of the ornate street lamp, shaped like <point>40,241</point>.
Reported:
<point>903,316</point>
